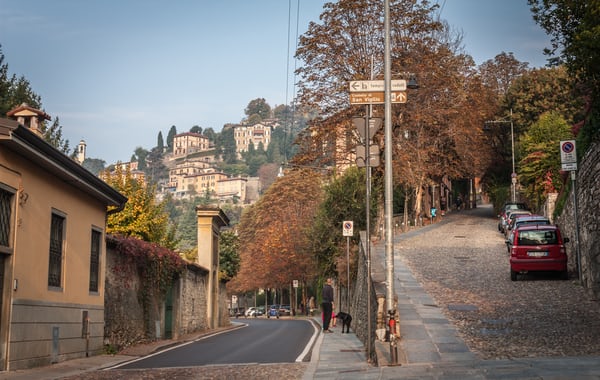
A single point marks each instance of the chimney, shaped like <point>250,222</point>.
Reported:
<point>29,117</point>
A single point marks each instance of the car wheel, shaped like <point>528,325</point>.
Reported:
<point>513,275</point>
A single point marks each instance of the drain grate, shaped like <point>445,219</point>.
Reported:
<point>354,350</point>
<point>460,236</point>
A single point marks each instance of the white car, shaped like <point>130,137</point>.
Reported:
<point>253,312</point>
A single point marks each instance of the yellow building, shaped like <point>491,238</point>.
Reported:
<point>189,142</point>
<point>256,134</point>
<point>52,249</point>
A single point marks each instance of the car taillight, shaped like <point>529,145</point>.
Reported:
<point>563,250</point>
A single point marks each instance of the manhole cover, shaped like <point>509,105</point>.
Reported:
<point>460,236</point>
<point>495,326</point>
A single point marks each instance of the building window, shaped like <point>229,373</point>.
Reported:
<point>95,260</point>
<point>6,212</point>
<point>57,229</point>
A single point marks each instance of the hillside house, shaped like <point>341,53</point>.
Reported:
<point>251,134</point>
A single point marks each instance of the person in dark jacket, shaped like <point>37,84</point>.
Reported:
<point>327,305</point>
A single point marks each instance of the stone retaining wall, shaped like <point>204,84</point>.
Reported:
<point>588,199</point>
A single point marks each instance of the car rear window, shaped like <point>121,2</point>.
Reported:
<point>537,237</point>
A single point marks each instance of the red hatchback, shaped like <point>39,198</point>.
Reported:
<point>538,248</point>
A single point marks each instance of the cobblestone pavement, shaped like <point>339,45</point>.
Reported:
<point>464,265</point>
<point>292,371</point>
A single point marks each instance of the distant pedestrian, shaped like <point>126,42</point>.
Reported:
<point>327,305</point>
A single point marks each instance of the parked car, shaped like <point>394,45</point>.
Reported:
<point>524,220</point>
<point>538,248</point>
<point>253,312</point>
<point>511,218</point>
<point>507,207</point>
<point>505,217</point>
<point>285,310</point>
<point>273,311</point>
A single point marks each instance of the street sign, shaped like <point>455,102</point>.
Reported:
<point>295,283</point>
<point>568,155</point>
<point>376,85</point>
<point>361,156</point>
<point>348,228</point>
<point>374,126</point>
<point>376,97</point>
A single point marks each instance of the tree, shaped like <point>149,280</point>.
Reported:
<point>344,199</point>
<point>275,241</point>
<point>94,165</point>
<point>575,32</point>
<point>53,135</point>
<point>226,142</point>
<point>498,74</point>
<point>196,129</point>
<point>258,107</point>
<point>540,167</point>
<point>143,217</point>
<point>140,155</point>
<point>160,143</point>
<point>170,137</point>
<point>229,257</point>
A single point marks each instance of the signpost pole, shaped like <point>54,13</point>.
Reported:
<point>575,205</point>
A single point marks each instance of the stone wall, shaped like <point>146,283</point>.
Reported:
<point>126,321</point>
<point>588,199</point>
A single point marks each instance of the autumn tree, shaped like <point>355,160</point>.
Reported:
<point>143,217</point>
<point>275,244</point>
<point>443,119</point>
<point>499,73</point>
<point>539,169</point>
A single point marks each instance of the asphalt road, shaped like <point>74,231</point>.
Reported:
<point>259,340</point>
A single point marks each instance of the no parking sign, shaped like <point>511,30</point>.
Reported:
<point>348,228</point>
<point>568,155</point>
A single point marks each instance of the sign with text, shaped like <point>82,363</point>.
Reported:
<point>568,155</point>
<point>376,97</point>
<point>376,85</point>
<point>348,228</point>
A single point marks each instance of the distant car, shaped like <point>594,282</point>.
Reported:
<point>285,310</point>
<point>273,311</point>
<point>507,207</point>
<point>505,218</point>
<point>511,218</point>
<point>253,312</point>
<point>538,248</point>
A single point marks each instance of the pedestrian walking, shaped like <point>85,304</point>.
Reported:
<point>327,305</point>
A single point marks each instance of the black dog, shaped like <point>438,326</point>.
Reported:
<point>346,320</point>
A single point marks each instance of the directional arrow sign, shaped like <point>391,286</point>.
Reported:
<point>376,85</point>
<point>376,97</point>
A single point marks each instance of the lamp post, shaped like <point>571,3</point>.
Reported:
<point>513,175</point>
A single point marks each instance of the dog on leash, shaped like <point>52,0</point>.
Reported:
<point>346,320</point>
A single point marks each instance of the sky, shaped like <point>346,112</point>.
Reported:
<point>118,72</point>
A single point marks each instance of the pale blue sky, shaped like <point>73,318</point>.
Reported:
<point>116,72</point>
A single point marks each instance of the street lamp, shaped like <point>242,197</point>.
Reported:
<point>513,175</point>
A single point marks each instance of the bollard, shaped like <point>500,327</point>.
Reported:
<point>392,334</point>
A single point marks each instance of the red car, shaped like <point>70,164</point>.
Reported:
<point>538,248</point>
